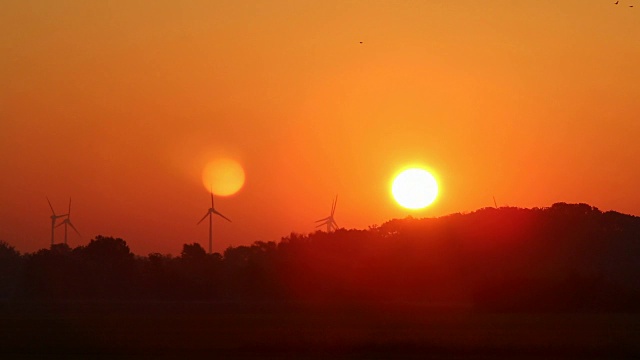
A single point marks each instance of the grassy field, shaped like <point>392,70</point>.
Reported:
<point>176,329</point>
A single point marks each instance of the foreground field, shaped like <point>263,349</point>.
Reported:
<point>213,330</point>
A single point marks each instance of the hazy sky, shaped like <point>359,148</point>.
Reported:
<point>121,104</point>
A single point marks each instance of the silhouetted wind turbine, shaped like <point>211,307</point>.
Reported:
<point>329,221</point>
<point>66,222</point>
<point>210,213</point>
<point>54,217</point>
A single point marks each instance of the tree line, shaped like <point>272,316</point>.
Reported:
<point>567,257</point>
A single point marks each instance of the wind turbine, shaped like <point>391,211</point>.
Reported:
<point>54,217</point>
<point>66,222</point>
<point>210,213</point>
<point>329,221</point>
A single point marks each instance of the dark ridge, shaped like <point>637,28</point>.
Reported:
<point>567,257</point>
<point>508,283</point>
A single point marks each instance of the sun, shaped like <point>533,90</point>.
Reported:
<point>414,188</point>
<point>223,176</point>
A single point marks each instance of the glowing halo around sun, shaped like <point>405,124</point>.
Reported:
<point>223,176</point>
<point>414,188</point>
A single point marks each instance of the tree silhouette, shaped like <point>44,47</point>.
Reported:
<point>10,269</point>
<point>107,266</point>
<point>565,257</point>
<point>193,252</point>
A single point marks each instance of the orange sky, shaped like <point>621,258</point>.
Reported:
<point>120,105</point>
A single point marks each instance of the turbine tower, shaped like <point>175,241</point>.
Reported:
<point>67,222</point>
<point>54,218</point>
<point>329,221</point>
<point>210,213</point>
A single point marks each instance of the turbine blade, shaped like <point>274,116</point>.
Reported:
<point>62,223</point>
<point>74,228</point>
<point>205,216</point>
<point>327,218</point>
<point>335,223</point>
<point>212,199</point>
<point>53,212</point>
<point>69,212</point>
<point>320,225</point>
<point>217,213</point>
<point>333,207</point>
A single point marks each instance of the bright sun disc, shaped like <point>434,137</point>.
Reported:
<point>223,177</point>
<point>414,188</point>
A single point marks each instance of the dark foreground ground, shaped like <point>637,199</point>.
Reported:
<point>213,330</point>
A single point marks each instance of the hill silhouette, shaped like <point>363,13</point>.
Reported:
<point>567,257</point>
<point>507,283</point>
